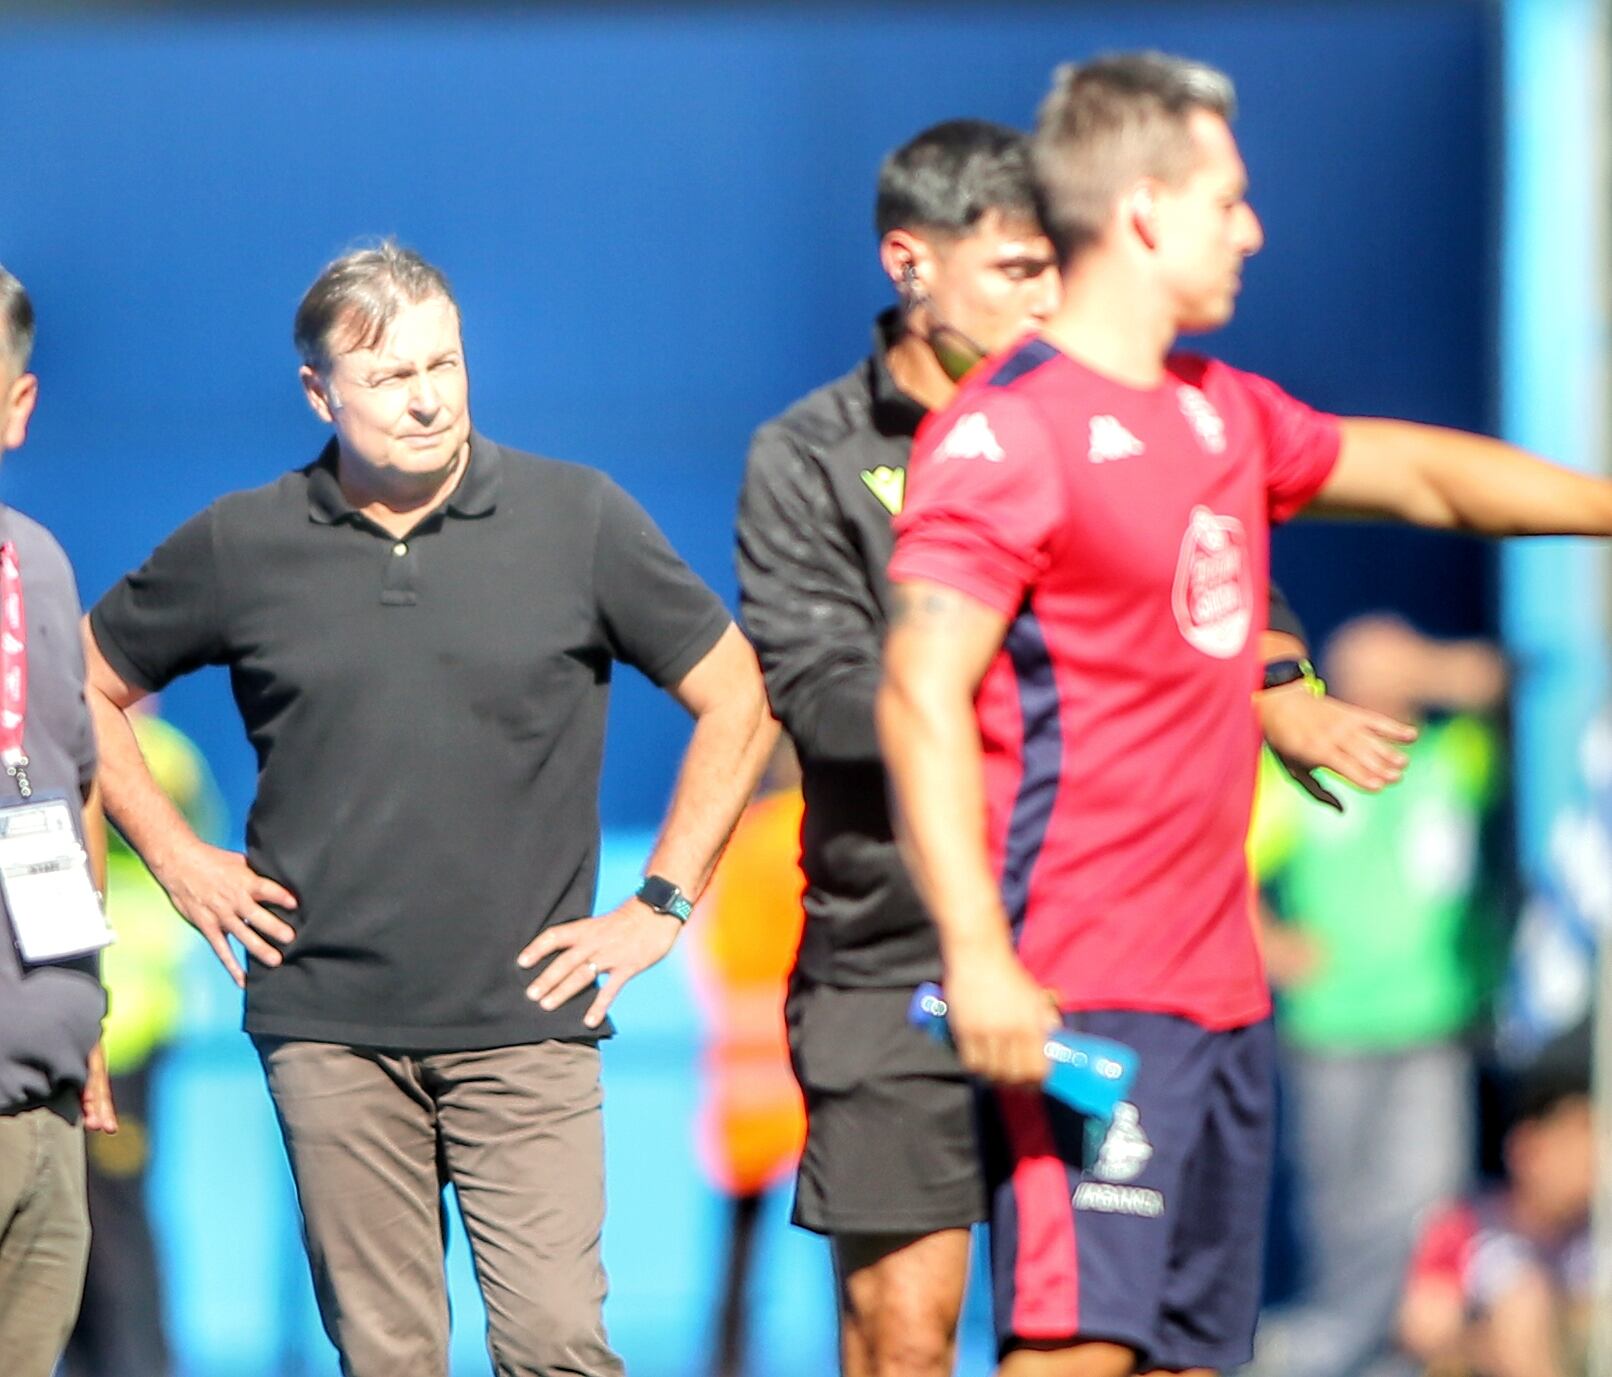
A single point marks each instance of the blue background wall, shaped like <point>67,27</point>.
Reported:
<point>659,229</point>
<point>658,225</point>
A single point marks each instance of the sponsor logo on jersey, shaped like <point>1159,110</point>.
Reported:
<point>1101,1198</point>
<point>1125,1149</point>
<point>888,485</point>
<point>1214,587</point>
<point>1109,440</point>
<point>1202,416</point>
<point>971,437</point>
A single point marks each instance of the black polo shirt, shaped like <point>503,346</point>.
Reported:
<point>428,715</point>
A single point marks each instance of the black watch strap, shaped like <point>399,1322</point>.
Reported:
<point>1280,672</point>
<point>665,897</point>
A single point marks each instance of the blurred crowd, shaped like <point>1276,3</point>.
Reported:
<point>1441,1162</point>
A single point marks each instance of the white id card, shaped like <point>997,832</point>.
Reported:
<point>45,876</point>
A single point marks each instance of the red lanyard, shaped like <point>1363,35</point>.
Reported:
<point>13,669</point>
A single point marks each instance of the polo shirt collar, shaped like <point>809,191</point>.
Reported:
<point>894,411</point>
<point>476,493</point>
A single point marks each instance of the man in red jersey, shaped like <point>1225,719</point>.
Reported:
<point>1067,720</point>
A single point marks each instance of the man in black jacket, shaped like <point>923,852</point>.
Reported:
<point>890,1167</point>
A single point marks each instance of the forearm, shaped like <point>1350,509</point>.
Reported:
<point>724,761</point>
<point>1450,479</point>
<point>932,751</point>
<point>131,797</point>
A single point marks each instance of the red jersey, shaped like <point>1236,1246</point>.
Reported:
<point>1124,532</point>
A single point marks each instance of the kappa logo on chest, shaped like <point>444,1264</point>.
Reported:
<point>1108,440</point>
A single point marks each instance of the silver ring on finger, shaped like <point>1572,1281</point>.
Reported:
<point>593,970</point>
<point>245,918</point>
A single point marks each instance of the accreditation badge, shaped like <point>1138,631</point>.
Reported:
<point>45,879</point>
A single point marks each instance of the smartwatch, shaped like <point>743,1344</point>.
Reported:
<point>665,897</point>
<point>1280,672</point>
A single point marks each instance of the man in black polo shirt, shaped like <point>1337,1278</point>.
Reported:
<point>890,1167</point>
<point>419,628</point>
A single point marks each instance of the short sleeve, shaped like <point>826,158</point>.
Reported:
<point>1301,445</point>
<point>163,620</point>
<point>984,501</point>
<point>657,615</point>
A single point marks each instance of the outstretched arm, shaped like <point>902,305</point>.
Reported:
<point>1431,476</point>
<point>938,649</point>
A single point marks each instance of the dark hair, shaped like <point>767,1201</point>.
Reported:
<point>951,175</point>
<point>360,294</point>
<point>1560,1071</point>
<point>1106,123</point>
<point>17,318</point>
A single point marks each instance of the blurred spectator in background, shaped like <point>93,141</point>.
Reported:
<point>1385,952</point>
<point>752,1117</point>
<point>120,1330</point>
<point>1501,1284</point>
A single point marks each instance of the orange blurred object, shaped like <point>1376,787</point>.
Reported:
<point>752,1119</point>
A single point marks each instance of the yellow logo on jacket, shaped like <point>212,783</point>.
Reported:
<point>888,485</point>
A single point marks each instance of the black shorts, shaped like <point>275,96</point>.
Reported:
<point>1159,1243</point>
<point>890,1136</point>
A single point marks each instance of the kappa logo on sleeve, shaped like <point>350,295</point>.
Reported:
<point>1203,418</point>
<point>971,437</point>
<point>888,485</point>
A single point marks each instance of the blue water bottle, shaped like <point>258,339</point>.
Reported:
<point>1089,1074</point>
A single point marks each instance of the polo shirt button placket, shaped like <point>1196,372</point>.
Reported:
<point>398,588</point>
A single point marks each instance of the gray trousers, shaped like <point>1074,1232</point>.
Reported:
<point>1380,1138</point>
<point>374,1136</point>
<point>44,1234</point>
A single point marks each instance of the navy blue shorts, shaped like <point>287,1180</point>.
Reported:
<point>1160,1243</point>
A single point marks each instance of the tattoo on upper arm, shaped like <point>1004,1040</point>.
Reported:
<point>926,607</point>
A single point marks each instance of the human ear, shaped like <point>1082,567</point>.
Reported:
<point>18,407</point>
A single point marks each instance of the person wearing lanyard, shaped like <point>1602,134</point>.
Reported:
<point>52,840</point>
<point>420,628</point>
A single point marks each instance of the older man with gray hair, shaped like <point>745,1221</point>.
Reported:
<point>52,1083</point>
<point>420,628</point>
